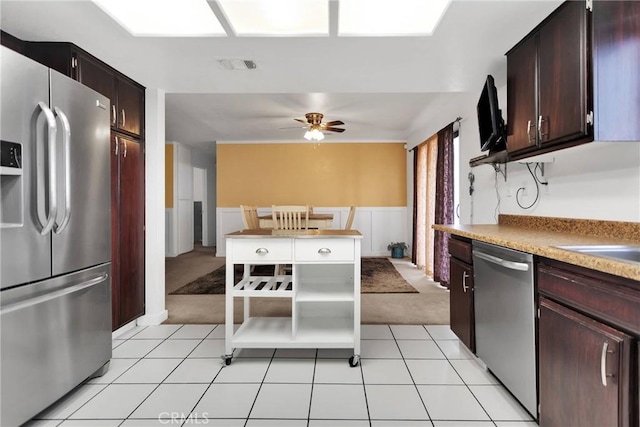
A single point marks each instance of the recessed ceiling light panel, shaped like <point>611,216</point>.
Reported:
<point>277,17</point>
<point>169,18</point>
<point>384,18</point>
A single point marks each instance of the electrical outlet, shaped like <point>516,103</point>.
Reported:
<point>507,191</point>
<point>547,190</point>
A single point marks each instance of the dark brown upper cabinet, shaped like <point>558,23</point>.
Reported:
<point>549,101</point>
<point>126,96</point>
<point>616,40</point>
<point>129,106</point>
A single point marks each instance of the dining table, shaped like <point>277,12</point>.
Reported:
<point>316,220</point>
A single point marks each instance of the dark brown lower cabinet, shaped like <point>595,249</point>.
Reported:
<point>461,310</point>
<point>588,347</point>
<point>127,203</point>
<point>584,369</point>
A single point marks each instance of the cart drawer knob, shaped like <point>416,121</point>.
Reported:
<point>324,251</point>
<point>262,251</point>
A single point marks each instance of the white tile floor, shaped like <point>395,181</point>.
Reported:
<point>172,375</point>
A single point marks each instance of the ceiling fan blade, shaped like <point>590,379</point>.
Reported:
<point>330,129</point>
<point>301,121</point>
<point>334,123</point>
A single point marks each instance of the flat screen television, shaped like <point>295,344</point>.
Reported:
<point>490,122</point>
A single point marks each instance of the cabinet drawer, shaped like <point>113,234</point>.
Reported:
<point>324,250</point>
<point>616,304</point>
<point>259,250</point>
<point>461,250</point>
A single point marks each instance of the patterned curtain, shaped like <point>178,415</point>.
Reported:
<point>415,205</point>
<point>444,204</point>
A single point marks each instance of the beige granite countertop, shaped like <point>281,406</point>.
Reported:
<point>540,235</point>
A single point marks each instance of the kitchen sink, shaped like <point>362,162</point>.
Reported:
<point>618,252</point>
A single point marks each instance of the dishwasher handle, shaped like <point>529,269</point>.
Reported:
<point>512,265</point>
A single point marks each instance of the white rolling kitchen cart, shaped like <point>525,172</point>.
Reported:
<point>324,288</point>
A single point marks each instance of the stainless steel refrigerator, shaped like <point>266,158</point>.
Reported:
<point>55,237</point>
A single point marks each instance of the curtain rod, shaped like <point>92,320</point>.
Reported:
<point>457,120</point>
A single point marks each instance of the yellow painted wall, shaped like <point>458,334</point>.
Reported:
<point>360,174</point>
<point>168,175</point>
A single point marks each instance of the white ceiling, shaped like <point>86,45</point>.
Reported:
<point>383,88</point>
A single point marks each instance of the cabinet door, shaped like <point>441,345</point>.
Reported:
<point>562,66</point>
<point>98,77</point>
<point>616,32</point>
<point>521,96</point>
<point>131,204</point>
<point>584,370</point>
<point>461,303</point>
<point>130,106</point>
<point>115,232</point>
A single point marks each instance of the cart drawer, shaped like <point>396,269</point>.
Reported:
<point>261,250</point>
<point>324,250</point>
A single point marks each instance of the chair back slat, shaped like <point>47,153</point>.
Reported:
<point>290,217</point>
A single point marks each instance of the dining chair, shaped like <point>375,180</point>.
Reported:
<point>250,217</point>
<point>290,217</point>
<point>352,214</point>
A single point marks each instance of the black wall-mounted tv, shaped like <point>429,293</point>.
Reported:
<point>490,122</point>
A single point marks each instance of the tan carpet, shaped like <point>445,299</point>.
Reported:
<point>428,307</point>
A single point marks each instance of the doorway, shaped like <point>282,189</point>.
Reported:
<point>200,229</point>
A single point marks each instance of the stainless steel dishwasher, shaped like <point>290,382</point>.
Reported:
<point>505,324</point>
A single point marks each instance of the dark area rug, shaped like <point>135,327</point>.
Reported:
<point>378,275</point>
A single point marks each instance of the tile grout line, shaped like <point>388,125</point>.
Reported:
<point>464,382</point>
<point>313,381</point>
<point>410,374</point>
<point>266,372</point>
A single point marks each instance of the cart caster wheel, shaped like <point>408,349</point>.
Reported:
<point>227,359</point>
<point>354,360</point>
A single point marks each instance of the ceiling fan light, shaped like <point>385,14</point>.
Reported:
<point>318,136</point>
<point>308,135</point>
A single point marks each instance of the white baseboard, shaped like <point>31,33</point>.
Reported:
<point>153,318</point>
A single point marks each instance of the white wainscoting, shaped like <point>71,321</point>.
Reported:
<point>379,226</point>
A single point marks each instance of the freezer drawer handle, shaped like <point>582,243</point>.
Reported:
<point>512,265</point>
<point>47,225</point>
<point>57,294</point>
<point>262,251</point>
<point>66,142</point>
<point>324,251</point>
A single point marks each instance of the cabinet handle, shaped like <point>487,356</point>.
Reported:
<point>115,150</point>
<point>324,251</point>
<point>529,130</point>
<point>540,121</point>
<point>124,118</point>
<point>603,363</point>
<point>262,251</point>
<point>124,153</point>
<point>113,115</point>
<point>464,281</point>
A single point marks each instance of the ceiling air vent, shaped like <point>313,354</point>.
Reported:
<point>237,64</point>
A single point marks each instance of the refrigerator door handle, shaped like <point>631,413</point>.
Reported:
<point>66,142</point>
<point>53,295</point>
<point>47,224</point>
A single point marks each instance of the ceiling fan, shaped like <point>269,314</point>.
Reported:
<point>315,127</point>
